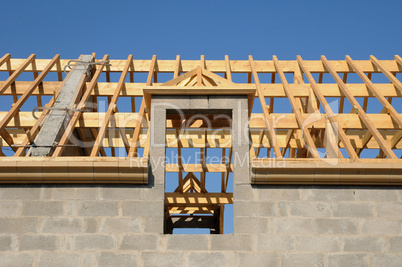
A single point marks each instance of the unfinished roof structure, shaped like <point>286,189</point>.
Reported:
<point>267,122</point>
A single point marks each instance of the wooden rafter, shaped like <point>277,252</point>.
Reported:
<point>268,120</point>
<point>330,114</point>
<point>363,116</point>
<point>355,133</point>
<point>111,108</point>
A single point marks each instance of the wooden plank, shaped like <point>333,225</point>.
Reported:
<point>4,59</point>
<point>329,113</point>
<point>177,67</point>
<point>77,114</point>
<point>112,139</point>
<point>398,59</point>
<point>198,198</point>
<point>17,72</point>
<point>384,146</point>
<point>238,66</point>
<point>283,121</point>
<point>111,108</point>
<point>268,90</point>
<point>297,109</point>
<point>221,216</point>
<point>387,73</point>
<point>15,108</point>
<point>198,168</point>
<point>228,72</point>
<point>134,140</point>
<point>268,120</point>
<point>180,176</point>
<point>375,91</point>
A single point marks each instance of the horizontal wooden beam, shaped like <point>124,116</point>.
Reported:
<point>190,199</point>
<point>237,66</point>
<point>198,168</point>
<point>269,90</point>
<point>196,139</point>
<point>282,121</point>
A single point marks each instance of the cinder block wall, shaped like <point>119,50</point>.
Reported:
<point>274,226</point>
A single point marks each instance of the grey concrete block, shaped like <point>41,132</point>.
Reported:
<point>93,242</point>
<point>121,225</point>
<point>251,225</point>
<point>282,209</point>
<point>24,193</point>
<point>153,225</point>
<point>200,102</point>
<point>37,242</point>
<point>101,208</point>
<point>275,243</point>
<point>90,225</point>
<point>139,242</point>
<point>310,209</point>
<point>132,193</point>
<point>58,259</point>
<point>16,259</point>
<point>10,208</point>
<point>378,195</point>
<point>395,244</point>
<point>153,193</point>
<point>341,260</point>
<point>290,260</point>
<point>295,226</point>
<point>47,193</point>
<point>77,193</point>
<point>353,210</point>
<point>43,208</point>
<point>20,225</point>
<point>257,259</point>
<point>389,210</point>
<point>158,259</point>
<point>250,209</point>
<point>208,259</point>
<point>5,243</point>
<point>336,226</point>
<point>243,192</point>
<point>187,242</point>
<point>62,225</point>
<point>143,208</point>
<point>171,102</point>
<point>227,102</point>
<point>120,193</point>
<point>380,227</point>
<point>389,260</point>
<point>231,242</point>
<point>335,194</point>
<point>264,193</point>
<point>241,163</point>
<point>317,243</point>
<point>362,244</point>
<point>88,259</point>
<point>107,259</point>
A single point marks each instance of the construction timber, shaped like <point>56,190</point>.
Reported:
<point>308,140</point>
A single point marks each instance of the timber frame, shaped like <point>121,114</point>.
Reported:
<point>305,134</point>
<point>298,136</point>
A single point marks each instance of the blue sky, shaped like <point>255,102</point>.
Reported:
<point>191,28</point>
<point>212,28</point>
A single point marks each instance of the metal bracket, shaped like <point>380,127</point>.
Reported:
<point>73,63</point>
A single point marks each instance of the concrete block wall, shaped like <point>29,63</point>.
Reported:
<point>274,226</point>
